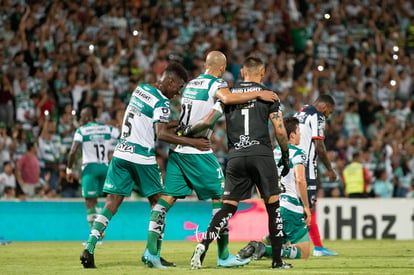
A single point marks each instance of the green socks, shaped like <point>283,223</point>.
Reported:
<point>156,226</point>
<point>288,251</point>
<point>101,222</point>
<point>91,216</point>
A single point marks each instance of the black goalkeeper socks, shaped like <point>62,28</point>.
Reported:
<point>218,222</point>
<point>275,230</point>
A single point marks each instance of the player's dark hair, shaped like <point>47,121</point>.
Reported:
<point>326,99</point>
<point>177,69</point>
<point>92,109</point>
<point>291,123</point>
<point>252,61</point>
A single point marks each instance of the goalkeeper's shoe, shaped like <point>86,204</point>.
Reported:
<point>232,261</point>
<point>323,251</point>
<point>248,250</point>
<point>281,265</point>
<point>198,256</point>
<point>259,252</point>
<point>87,259</point>
<point>266,240</point>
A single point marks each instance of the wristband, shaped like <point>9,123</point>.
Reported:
<point>68,170</point>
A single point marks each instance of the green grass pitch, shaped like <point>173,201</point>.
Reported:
<point>113,257</point>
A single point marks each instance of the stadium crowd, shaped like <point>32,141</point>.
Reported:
<point>57,56</point>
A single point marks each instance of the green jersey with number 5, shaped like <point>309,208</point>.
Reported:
<point>146,107</point>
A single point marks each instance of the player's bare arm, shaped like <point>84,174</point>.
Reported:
<point>321,151</point>
<point>281,136</point>
<point>282,139</point>
<point>163,133</point>
<point>303,192</point>
<point>198,128</point>
<point>71,160</point>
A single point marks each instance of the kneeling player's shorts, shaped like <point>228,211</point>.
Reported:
<point>199,172</point>
<point>294,226</point>
<point>123,175</point>
<point>93,178</point>
<point>243,173</point>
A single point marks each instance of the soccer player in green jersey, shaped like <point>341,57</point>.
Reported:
<point>294,204</point>
<point>133,163</point>
<point>95,139</point>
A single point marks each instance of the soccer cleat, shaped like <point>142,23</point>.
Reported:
<point>164,262</point>
<point>323,251</point>
<point>198,256</point>
<point>232,261</point>
<point>145,256</point>
<point>281,265</point>
<point>87,259</point>
<point>259,252</point>
<point>151,260</point>
<point>248,250</point>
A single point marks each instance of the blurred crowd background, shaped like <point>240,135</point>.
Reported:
<point>56,56</point>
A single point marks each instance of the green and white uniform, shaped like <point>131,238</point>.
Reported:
<point>96,140</point>
<point>188,168</point>
<point>291,206</point>
<point>134,160</point>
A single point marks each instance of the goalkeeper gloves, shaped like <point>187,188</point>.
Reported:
<point>184,130</point>
<point>284,161</point>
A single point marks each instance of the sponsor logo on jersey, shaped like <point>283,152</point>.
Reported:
<point>97,137</point>
<point>124,147</point>
<point>164,119</point>
<point>246,89</point>
<point>247,105</point>
<point>108,185</point>
<point>198,84</point>
<point>144,96</point>
<point>245,142</point>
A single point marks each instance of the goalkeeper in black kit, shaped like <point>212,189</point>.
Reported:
<point>250,159</point>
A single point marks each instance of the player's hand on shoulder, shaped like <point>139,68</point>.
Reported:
<point>269,96</point>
